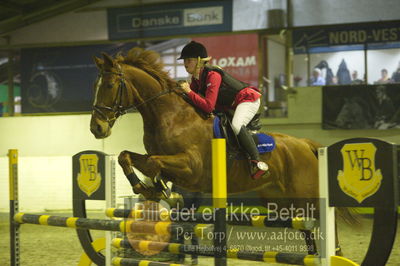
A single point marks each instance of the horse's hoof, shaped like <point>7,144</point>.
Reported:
<point>174,200</point>
<point>137,189</point>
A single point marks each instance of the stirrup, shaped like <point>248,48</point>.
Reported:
<point>162,187</point>
<point>260,167</point>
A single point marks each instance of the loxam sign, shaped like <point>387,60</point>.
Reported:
<point>167,20</point>
<point>234,61</point>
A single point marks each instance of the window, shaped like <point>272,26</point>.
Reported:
<point>382,65</point>
<point>175,67</point>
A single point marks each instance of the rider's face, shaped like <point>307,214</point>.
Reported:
<point>190,65</point>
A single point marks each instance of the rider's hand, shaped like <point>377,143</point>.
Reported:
<point>185,86</point>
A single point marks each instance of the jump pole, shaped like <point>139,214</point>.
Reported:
<point>299,223</point>
<point>14,206</point>
<point>327,213</point>
<point>88,167</point>
<point>219,193</point>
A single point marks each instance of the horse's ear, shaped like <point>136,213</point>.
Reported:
<point>99,62</point>
<point>108,61</point>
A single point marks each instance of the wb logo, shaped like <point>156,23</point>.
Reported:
<point>90,168</point>
<point>359,178</point>
<point>89,179</point>
<point>357,159</point>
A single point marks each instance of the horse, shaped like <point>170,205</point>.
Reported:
<point>177,138</point>
<point>354,114</point>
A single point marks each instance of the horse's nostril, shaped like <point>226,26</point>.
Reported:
<point>98,129</point>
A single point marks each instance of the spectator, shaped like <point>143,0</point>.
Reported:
<point>334,80</point>
<point>317,79</point>
<point>396,75</point>
<point>384,77</point>
<point>355,80</point>
<point>343,74</point>
<point>385,108</point>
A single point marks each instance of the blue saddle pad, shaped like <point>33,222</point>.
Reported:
<point>265,143</point>
<point>217,129</point>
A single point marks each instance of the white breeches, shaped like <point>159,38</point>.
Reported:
<point>243,114</point>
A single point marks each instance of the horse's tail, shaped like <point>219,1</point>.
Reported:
<point>313,146</point>
<point>349,215</point>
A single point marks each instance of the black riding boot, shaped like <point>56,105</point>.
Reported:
<point>258,168</point>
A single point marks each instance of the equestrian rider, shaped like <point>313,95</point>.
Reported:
<point>208,92</point>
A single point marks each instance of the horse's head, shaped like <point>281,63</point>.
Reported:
<point>134,81</point>
<point>352,115</point>
<point>109,102</point>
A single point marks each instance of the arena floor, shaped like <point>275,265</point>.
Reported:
<point>46,245</point>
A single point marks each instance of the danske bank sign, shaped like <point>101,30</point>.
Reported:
<point>168,21</point>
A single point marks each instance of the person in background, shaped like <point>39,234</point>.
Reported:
<point>334,80</point>
<point>211,89</point>
<point>396,75</point>
<point>384,77</point>
<point>355,80</point>
<point>384,109</point>
<point>317,79</point>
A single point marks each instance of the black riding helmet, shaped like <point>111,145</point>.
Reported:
<point>193,50</point>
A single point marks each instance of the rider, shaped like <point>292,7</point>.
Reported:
<point>208,92</point>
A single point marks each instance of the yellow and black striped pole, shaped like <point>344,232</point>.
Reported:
<point>299,223</point>
<point>118,261</point>
<point>175,248</point>
<point>13,195</point>
<point>219,200</point>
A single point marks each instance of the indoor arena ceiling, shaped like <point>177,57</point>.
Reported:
<point>16,14</point>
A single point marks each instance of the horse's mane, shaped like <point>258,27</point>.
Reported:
<point>148,61</point>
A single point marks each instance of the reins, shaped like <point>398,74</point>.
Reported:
<point>118,109</point>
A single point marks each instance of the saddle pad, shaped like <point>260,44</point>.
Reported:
<point>216,128</point>
<point>265,142</point>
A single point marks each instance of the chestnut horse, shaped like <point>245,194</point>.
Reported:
<point>178,139</point>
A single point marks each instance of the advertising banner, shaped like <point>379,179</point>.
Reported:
<point>60,79</point>
<point>361,106</point>
<point>307,39</point>
<point>237,54</point>
<point>167,20</point>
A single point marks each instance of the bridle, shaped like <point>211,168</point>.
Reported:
<point>117,108</point>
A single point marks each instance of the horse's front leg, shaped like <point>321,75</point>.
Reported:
<point>178,166</point>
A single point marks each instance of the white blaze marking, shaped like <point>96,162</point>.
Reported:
<point>96,89</point>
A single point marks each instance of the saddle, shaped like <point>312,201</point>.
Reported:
<point>223,129</point>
